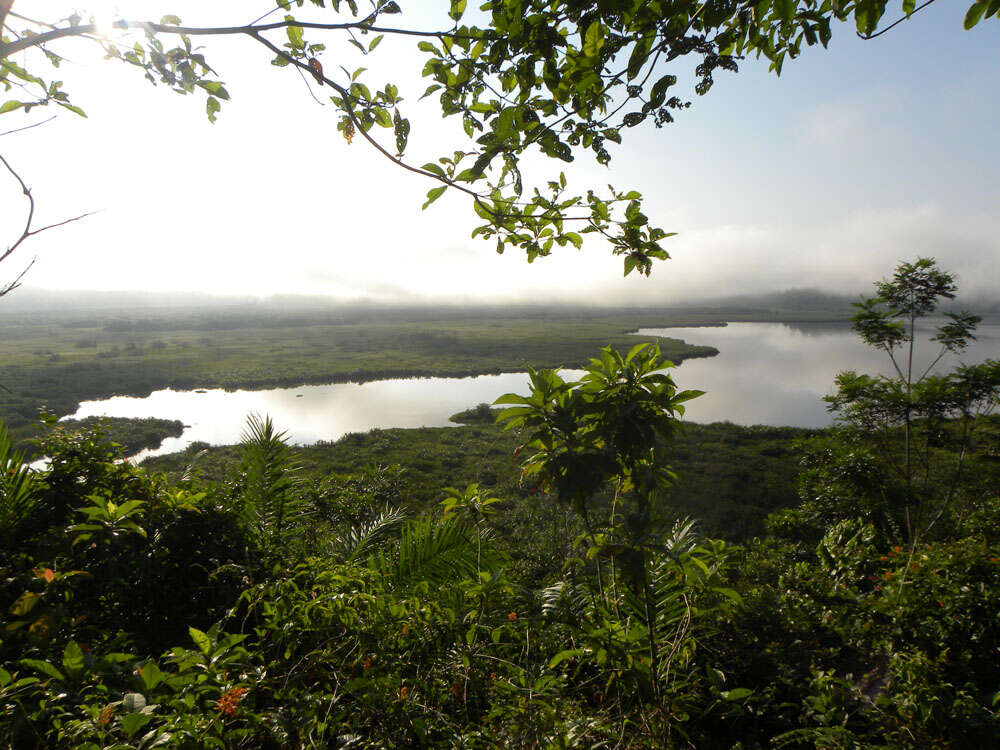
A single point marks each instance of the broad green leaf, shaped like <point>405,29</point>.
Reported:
<point>457,9</point>
<point>736,694</point>
<point>975,14</point>
<point>132,723</point>
<point>10,106</point>
<point>150,675</point>
<point>72,660</point>
<point>593,40</point>
<point>202,641</point>
<point>433,194</point>
<point>562,656</point>
<point>294,33</point>
<point>44,667</point>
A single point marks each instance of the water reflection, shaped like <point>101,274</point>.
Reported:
<point>312,412</point>
<point>777,373</point>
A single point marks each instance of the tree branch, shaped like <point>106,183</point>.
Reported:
<point>892,25</point>
<point>91,28</point>
<point>27,231</point>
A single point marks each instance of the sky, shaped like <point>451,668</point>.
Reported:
<point>857,157</point>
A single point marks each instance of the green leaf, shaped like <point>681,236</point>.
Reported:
<point>212,106</point>
<point>72,108</point>
<point>44,667</point>
<point>785,9</point>
<point>150,675</point>
<point>72,660</point>
<point>132,723</point>
<point>294,33</point>
<point>25,603</point>
<point>382,117</point>
<point>736,694</point>
<point>457,9</point>
<point>433,194</point>
<point>593,40</point>
<point>975,14</point>
<point>202,641</point>
<point>562,656</point>
<point>375,42</point>
<point>10,106</point>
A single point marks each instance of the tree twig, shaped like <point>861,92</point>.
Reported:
<point>891,26</point>
<point>27,231</point>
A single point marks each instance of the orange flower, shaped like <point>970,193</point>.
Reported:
<point>105,717</point>
<point>229,701</point>
<point>368,662</point>
<point>512,616</point>
<point>406,629</point>
<point>403,692</point>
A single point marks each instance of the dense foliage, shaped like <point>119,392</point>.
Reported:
<point>281,605</point>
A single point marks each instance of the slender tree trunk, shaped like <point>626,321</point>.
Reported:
<point>649,607</point>
<point>5,6</point>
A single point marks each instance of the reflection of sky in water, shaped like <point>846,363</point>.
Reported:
<point>765,373</point>
<point>773,373</point>
<point>310,412</point>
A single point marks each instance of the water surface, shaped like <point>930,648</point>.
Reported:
<point>778,373</point>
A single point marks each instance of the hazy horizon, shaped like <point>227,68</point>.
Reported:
<point>38,299</point>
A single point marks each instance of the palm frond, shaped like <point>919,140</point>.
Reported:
<point>272,503</point>
<point>363,537</point>
<point>566,602</point>
<point>435,550</point>
<point>19,491</point>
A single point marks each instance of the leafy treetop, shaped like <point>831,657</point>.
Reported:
<point>560,78</point>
